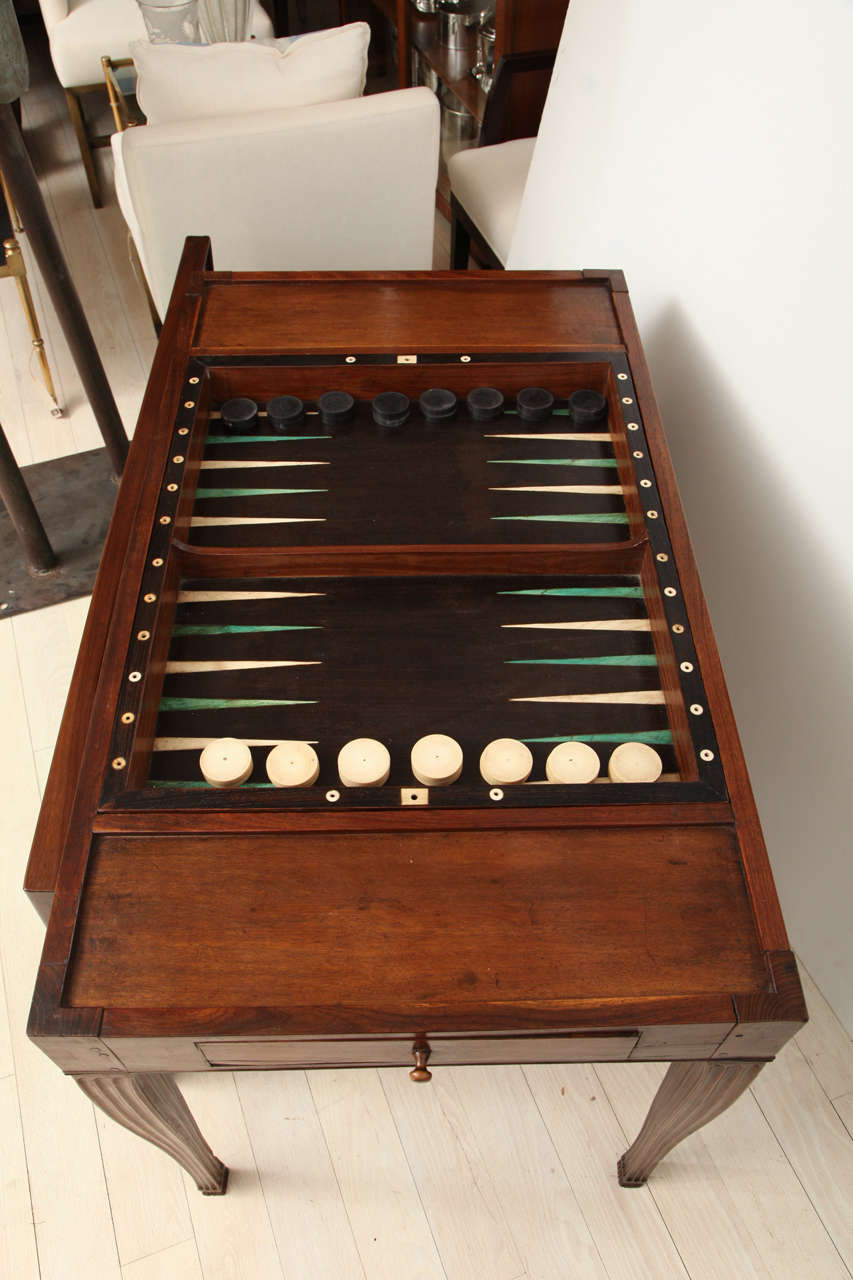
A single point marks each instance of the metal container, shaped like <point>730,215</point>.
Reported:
<point>459,129</point>
<point>486,48</point>
<point>422,72</point>
<point>454,19</point>
<point>452,29</point>
<point>425,6</point>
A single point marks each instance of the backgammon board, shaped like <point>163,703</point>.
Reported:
<point>366,517</point>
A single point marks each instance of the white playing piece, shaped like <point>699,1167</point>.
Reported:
<point>572,762</point>
<point>634,762</point>
<point>364,762</point>
<point>293,764</point>
<point>506,761</point>
<point>226,762</point>
<point>436,760</point>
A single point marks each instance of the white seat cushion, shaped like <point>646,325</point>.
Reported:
<point>489,182</point>
<point>97,27</point>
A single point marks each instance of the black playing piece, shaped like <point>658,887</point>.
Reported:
<point>534,404</point>
<point>437,405</point>
<point>485,404</point>
<point>284,412</point>
<point>336,408</point>
<point>390,409</point>
<point>239,416</point>
<point>587,407</point>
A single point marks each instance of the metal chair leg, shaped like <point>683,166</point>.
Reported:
<point>75,110</point>
<point>15,267</point>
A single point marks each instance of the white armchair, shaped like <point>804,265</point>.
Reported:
<point>81,32</point>
<point>339,186</point>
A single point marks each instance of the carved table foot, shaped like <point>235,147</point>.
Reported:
<point>152,1106</point>
<point>690,1094</point>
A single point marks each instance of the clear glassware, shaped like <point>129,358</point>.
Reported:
<point>225,20</point>
<point>171,23</point>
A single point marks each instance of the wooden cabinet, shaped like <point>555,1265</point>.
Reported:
<point>520,25</point>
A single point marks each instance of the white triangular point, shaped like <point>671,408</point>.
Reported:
<point>226,464</point>
<point>640,697</point>
<point>602,436</point>
<point>556,488</point>
<point>241,520</point>
<point>607,624</point>
<point>185,668</point>
<point>204,597</point>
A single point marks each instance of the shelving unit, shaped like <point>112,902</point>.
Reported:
<point>520,25</point>
<point>452,66</point>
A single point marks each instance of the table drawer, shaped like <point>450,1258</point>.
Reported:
<point>443,1050</point>
<point>307,1053</point>
<point>602,1047</point>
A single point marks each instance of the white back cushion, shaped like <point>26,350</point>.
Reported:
<point>188,82</point>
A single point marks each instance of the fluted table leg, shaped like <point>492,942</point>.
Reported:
<point>152,1106</point>
<point>690,1094</point>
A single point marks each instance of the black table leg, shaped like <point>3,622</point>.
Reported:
<point>17,168</point>
<point>17,501</point>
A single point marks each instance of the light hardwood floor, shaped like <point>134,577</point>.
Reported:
<point>506,1173</point>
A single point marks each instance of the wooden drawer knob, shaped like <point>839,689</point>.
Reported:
<point>419,1072</point>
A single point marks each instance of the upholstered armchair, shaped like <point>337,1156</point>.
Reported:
<point>81,32</point>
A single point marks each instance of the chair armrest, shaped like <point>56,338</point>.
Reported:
<point>517,97</point>
<point>123,116</point>
<point>53,12</point>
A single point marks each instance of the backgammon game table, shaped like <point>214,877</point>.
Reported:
<point>398,734</point>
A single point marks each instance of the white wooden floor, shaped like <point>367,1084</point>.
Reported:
<point>506,1173</point>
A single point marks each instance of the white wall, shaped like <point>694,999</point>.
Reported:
<point>706,150</point>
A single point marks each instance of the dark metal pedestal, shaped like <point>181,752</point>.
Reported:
<point>23,186</point>
<point>74,497</point>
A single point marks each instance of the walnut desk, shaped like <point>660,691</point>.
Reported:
<point>514,566</point>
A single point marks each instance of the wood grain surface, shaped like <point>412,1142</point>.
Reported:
<point>406,312</point>
<point>415,922</point>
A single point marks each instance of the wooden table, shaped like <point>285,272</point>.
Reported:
<point>484,580</point>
